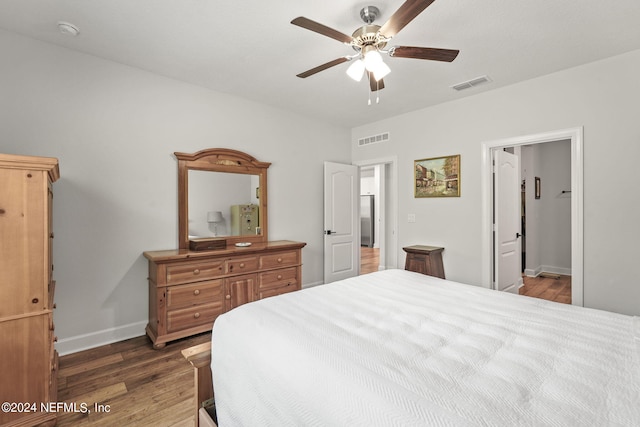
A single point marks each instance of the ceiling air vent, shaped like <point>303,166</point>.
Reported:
<point>471,83</point>
<point>382,137</point>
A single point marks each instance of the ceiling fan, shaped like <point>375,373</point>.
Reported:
<point>370,40</point>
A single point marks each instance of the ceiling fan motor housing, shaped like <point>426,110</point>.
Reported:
<point>367,35</point>
<point>369,14</point>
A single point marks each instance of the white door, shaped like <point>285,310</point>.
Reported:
<point>341,221</point>
<point>507,227</point>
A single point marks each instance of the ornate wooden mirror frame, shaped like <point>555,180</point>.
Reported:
<point>220,160</point>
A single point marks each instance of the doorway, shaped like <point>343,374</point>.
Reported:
<point>370,192</point>
<point>378,185</point>
<point>544,220</point>
<point>574,136</point>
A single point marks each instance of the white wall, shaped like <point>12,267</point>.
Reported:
<point>114,129</point>
<point>548,219</point>
<point>597,96</point>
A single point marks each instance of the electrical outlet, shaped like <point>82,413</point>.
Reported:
<point>411,218</point>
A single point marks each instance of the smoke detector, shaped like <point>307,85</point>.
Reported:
<point>68,29</point>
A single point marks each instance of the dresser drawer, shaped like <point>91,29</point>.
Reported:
<point>194,294</point>
<point>194,271</point>
<point>272,292</point>
<point>186,318</point>
<point>279,259</point>
<point>278,278</point>
<point>242,265</point>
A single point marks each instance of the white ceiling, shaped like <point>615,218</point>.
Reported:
<point>249,48</point>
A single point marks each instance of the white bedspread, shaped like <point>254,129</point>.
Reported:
<point>396,348</point>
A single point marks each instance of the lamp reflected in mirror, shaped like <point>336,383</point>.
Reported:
<point>215,218</point>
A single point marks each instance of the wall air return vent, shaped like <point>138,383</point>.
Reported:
<point>471,83</point>
<point>382,137</point>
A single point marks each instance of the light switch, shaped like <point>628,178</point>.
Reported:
<point>411,218</point>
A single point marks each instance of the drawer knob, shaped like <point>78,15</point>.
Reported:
<point>196,315</point>
<point>228,297</point>
<point>196,271</point>
<point>35,300</point>
<point>279,259</point>
<point>279,276</point>
<point>196,292</point>
<point>242,265</point>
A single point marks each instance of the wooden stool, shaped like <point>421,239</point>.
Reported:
<point>425,259</point>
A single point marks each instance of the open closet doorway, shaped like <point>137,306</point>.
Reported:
<point>551,237</point>
<point>378,212</point>
<point>546,220</point>
<point>543,220</point>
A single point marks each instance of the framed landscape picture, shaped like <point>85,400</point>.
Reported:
<point>437,177</point>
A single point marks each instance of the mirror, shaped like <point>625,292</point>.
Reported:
<point>222,198</point>
<point>223,204</point>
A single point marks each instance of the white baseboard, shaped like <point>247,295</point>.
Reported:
<point>96,339</point>
<point>547,269</point>
<point>311,285</point>
<point>531,272</point>
<point>556,270</point>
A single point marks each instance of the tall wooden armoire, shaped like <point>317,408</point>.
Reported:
<point>28,359</point>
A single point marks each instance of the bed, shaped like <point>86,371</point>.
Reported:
<point>397,348</point>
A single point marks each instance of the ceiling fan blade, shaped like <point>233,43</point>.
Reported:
<point>430,53</point>
<point>314,26</point>
<point>405,14</point>
<point>323,67</point>
<point>373,84</point>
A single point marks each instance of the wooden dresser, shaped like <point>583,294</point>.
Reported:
<point>189,289</point>
<point>28,360</point>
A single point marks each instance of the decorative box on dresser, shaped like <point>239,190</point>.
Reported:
<point>28,359</point>
<point>189,289</point>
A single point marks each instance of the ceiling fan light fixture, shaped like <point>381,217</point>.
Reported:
<point>356,70</point>
<point>371,59</point>
<point>373,62</point>
<point>381,70</point>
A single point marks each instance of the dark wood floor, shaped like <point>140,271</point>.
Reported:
<point>139,385</point>
<point>553,288</point>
